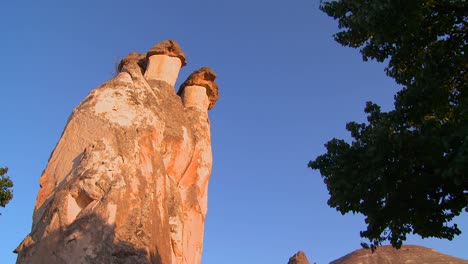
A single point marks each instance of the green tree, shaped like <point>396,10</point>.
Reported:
<point>405,170</point>
<point>6,194</point>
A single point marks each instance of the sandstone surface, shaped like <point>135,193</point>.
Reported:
<point>128,179</point>
<point>406,254</point>
<point>299,258</point>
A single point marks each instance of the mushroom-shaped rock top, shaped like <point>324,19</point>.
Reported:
<point>203,77</point>
<point>170,48</point>
<point>133,57</point>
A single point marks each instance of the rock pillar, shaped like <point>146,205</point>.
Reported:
<point>128,179</point>
<point>199,93</point>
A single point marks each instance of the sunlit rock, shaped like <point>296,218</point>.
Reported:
<point>128,179</point>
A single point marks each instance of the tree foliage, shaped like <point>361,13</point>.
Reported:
<point>405,170</point>
<point>6,194</point>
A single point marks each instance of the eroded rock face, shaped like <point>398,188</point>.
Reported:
<point>406,254</point>
<point>299,258</point>
<point>128,179</point>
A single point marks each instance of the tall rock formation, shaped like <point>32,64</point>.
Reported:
<point>390,255</point>
<point>127,181</point>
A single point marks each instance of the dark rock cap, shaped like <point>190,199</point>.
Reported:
<point>170,48</point>
<point>203,77</point>
<point>299,258</point>
<point>133,57</point>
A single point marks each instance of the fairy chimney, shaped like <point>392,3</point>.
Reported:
<point>128,179</point>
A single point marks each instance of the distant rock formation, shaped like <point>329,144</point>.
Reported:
<point>406,254</point>
<point>298,258</point>
<point>128,179</point>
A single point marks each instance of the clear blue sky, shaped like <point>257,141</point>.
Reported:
<point>286,88</point>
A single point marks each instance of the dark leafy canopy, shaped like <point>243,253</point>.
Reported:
<point>6,194</point>
<point>406,169</point>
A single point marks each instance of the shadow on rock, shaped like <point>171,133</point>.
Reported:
<point>91,241</point>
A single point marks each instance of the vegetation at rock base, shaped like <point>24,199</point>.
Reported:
<point>6,193</point>
<point>406,169</point>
